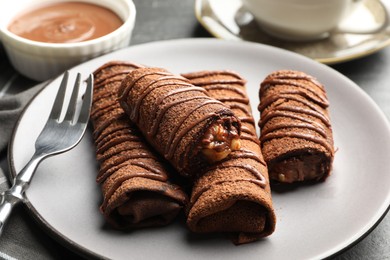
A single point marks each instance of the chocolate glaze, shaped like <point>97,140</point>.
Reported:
<point>149,88</point>
<point>176,136</point>
<point>120,137</point>
<point>211,84</point>
<point>164,108</point>
<point>299,96</point>
<point>180,93</point>
<point>306,137</point>
<point>284,109</point>
<point>125,68</point>
<point>119,180</point>
<point>285,76</point>
<point>123,157</point>
<point>137,189</point>
<point>315,97</point>
<point>125,89</point>
<point>113,139</point>
<point>294,105</point>
<point>118,146</point>
<point>134,160</point>
<point>315,127</point>
<point>205,188</point>
<point>242,169</point>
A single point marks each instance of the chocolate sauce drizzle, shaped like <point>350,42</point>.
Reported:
<point>149,88</point>
<point>164,108</point>
<point>165,102</point>
<point>114,131</point>
<point>217,83</point>
<point>118,180</point>
<point>302,89</point>
<point>176,136</point>
<point>302,99</point>
<point>118,143</point>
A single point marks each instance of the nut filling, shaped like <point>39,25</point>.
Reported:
<point>221,138</point>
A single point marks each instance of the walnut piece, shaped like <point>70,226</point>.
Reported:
<point>220,140</point>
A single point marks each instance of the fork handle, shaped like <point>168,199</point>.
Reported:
<point>14,195</point>
<point>9,199</point>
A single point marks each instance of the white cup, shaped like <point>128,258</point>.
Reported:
<point>302,20</point>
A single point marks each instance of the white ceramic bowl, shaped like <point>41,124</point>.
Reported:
<point>41,61</point>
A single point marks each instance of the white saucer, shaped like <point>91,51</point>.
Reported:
<point>228,20</point>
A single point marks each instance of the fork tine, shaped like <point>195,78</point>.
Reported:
<point>87,100</point>
<point>59,101</point>
<point>70,113</point>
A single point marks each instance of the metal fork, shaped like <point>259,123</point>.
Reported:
<point>57,136</point>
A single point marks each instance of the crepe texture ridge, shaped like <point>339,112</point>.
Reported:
<point>176,117</point>
<point>296,133</point>
<point>135,182</point>
<point>234,195</point>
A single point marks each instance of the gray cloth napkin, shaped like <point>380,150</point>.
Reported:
<point>22,238</point>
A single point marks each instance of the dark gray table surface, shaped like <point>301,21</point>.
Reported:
<point>173,19</point>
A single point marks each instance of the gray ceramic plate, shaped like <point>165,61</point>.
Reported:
<point>313,221</point>
<point>228,20</point>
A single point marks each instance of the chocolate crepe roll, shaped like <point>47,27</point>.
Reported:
<point>179,119</point>
<point>234,195</point>
<point>296,134</point>
<point>135,183</point>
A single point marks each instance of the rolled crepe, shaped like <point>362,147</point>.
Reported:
<point>135,182</point>
<point>178,119</point>
<point>234,195</point>
<point>296,134</point>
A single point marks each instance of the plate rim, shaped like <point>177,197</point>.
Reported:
<point>82,251</point>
